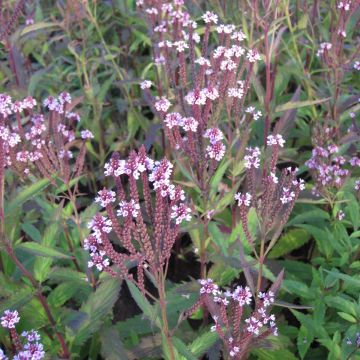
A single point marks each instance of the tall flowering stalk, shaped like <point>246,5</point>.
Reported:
<point>146,223</point>
<point>38,145</point>
<point>197,84</point>
<point>228,309</point>
<point>271,193</point>
<point>335,55</point>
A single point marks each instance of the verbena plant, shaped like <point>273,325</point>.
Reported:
<point>225,110</point>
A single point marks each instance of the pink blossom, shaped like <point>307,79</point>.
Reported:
<point>267,298</point>
<point>146,84</point>
<point>216,150</point>
<point>128,209</point>
<point>242,295</point>
<point>105,197</point>
<point>162,105</point>
<point>214,135</point>
<point>252,159</point>
<point>98,260</point>
<point>86,134</point>
<point>210,17</point>
<point>173,119</point>
<point>189,124</point>
<point>275,140</point>
<point>180,212</point>
<point>243,199</point>
<point>9,319</point>
<point>208,287</point>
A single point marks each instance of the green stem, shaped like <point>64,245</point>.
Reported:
<point>162,302</point>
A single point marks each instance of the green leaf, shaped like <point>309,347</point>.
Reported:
<point>304,340</point>
<point>183,349</point>
<point>219,238</point>
<point>62,293</point>
<point>25,195</point>
<point>347,317</point>
<point>350,281</point>
<point>143,303</point>
<point>42,265</point>
<point>17,299</point>
<point>298,104</point>
<point>282,354</point>
<point>297,288</point>
<point>290,241</point>
<point>202,343</point>
<point>340,303</point>
<point>321,236</point>
<point>42,250</point>
<point>112,347</point>
<point>97,306</point>
<point>31,231</point>
<point>37,26</point>
<point>217,177</point>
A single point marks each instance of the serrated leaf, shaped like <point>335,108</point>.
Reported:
<point>290,241</point>
<point>112,347</point>
<point>348,280</point>
<point>97,306</point>
<point>16,300</point>
<point>26,194</point>
<point>62,293</point>
<point>202,343</point>
<point>143,303</point>
<point>183,349</point>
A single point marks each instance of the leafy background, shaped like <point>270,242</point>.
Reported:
<point>98,51</point>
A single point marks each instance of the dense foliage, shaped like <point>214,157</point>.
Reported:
<point>179,179</point>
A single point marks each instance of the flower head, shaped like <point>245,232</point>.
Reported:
<point>105,197</point>
<point>9,319</point>
<point>130,208</point>
<point>181,212</point>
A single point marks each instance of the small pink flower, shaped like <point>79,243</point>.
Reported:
<point>173,119</point>
<point>210,17</point>
<point>86,134</point>
<point>214,135</point>
<point>216,151</point>
<point>97,260</point>
<point>267,298</point>
<point>242,295</point>
<point>146,84</point>
<point>9,319</point>
<point>275,140</point>
<point>162,105</point>
<point>128,209</point>
<point>105,197</point>
<point>208,287</point>
<point>252,159</point>
<point>189,124</point>
<point>180,212</point>
<point>287,196</point>
<point>243,199</point>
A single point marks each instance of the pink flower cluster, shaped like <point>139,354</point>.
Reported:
<point>227,309</point>
<point>328,167</point>
<point>273,197</point>
<point>209,83</point>
<point>146,242</point>
<point>36,142</point>
<point>27,348</point>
